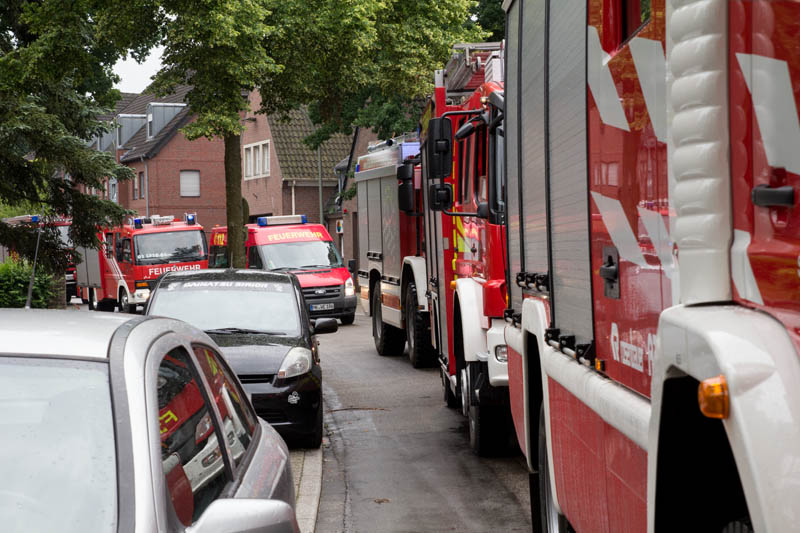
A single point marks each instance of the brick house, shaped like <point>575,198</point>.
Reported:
<point>280,174</point>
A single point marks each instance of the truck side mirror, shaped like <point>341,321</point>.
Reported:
<point>439,148</point>
<point>351,266</point>
<point>483,210</point>
<point>440,196</point>
<point>405,187</point>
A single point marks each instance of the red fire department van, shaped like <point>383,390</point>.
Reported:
<point>289,244</point>
<point>131,257</point>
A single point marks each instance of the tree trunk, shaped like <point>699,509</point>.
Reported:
<point>233,199</point>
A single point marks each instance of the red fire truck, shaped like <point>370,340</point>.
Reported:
<point>62,225</point>
<point>652,168</point>
<point>288,243</point>
<point>449,265</point>
<point>132,257</point>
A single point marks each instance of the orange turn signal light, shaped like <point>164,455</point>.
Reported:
<point>712,395</point>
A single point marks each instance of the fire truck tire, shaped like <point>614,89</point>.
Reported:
<point>92,300</point>
<point>417,330</point>
<point>124,304</point>
<point>552,520</point>
<point>348,319</point>
<point>388,339</point>
<point>450,399</point>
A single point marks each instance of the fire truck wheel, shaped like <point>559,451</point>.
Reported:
<point>449,398</point>
<point>552,520</point>
<point>92,300</point>
<point>124,304</point>
<point>417,329</point>
<point>388,339</point>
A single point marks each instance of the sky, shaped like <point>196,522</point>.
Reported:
<point>135,77</point>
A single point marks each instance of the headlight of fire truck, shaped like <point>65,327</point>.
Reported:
<point>349,287</point>
<point>296,363</point>
<point>501,353</point>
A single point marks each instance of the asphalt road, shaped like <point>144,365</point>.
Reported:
<point>397,459</point>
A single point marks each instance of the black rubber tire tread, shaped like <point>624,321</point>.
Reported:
<point>451,400</point>
<point>314,440</point>
<point>418,335</point>
<point>348,319</point>
<point>488,428</point>
<point>90,301</point>
<point>129,308</point>
<point>389,340</point>
<point>562,525</point>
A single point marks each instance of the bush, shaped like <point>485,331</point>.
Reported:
<point>14,278</point>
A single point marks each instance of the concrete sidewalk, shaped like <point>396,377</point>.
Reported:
<point>307,472</point>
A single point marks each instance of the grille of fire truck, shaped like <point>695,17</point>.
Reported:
<point>319,293</point>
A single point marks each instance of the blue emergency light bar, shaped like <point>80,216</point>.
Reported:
<point>35,219</point>
<point>137,223</point>
<point>190,218</point>
<point>282,220</point>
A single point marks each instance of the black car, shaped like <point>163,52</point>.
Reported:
<point>260,322</point>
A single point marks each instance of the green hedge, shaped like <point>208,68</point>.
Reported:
<point>14,278</point>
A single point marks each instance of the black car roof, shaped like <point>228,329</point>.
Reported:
<point>229,274</point>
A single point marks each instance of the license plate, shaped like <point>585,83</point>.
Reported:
<point>321,307</point>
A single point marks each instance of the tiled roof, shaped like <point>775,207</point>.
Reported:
<point>138,105</point>
<point>297,160</point>
<point>122,103</point>
<point>138,145</point>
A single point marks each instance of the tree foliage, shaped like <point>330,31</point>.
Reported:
<point>55,80</point>
<point>361,62</point>
<point>490,17</point>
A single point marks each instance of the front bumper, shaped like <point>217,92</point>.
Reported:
<point>290,406</point>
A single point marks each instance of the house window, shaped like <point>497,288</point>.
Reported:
<point>248,162</point>
<point>149,125</point>
<point>190,183</point>
<point>256,160</point>
<point>141,184</point>
<point>136,182</point>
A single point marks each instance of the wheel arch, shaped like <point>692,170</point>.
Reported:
<point>468,302</point>
<point>414,269</point>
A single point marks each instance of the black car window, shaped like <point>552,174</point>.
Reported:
<point>126,251</point>
<point>191,457</point>
<point>238,419</point>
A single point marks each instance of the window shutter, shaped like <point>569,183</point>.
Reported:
<point>190,183</point>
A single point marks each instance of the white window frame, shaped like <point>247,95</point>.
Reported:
<point>180,183</point>
<point>256,160</point>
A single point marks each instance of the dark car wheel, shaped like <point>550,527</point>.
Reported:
<point>314,440</point>
<point>348,319</point>
<point>125,306</point>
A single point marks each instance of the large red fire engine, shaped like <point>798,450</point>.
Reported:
<point>132,257</point>
<point>455,254</point>
<point>652,166</point>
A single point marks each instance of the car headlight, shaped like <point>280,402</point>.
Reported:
<point>349,287</point>
<point>501,353</point>
<point>296,362</point>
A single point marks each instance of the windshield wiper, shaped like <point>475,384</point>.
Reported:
<point>315,266</point>
<point>241,331</point>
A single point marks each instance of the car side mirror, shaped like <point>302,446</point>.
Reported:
<point>324,325</point>
<point>241,515</point>
<point>439,148</point>
<point>351,266</point>
<point>440,196</point>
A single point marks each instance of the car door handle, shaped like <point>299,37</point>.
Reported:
<point>766,196</point>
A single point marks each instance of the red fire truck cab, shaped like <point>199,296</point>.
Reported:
<point>289,244</point>
<point>131,257</point>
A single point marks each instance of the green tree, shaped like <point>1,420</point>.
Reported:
<point>490,17</point>
<point>217,47</point>
<point>361,62</point>
<point>55,79</point>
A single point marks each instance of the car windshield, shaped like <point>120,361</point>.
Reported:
<point>169,247</point>
<point>57,454</point>
<point>235,307</point>
<point>305,254</point>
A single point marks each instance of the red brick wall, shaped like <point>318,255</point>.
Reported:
<point>263,195</point>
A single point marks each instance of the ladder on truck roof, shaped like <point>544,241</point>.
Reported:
<point>467,68</point>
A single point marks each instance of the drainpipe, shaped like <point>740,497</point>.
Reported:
<point>319,172</point>
<point>293,184</point>
<point>146,187</point>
